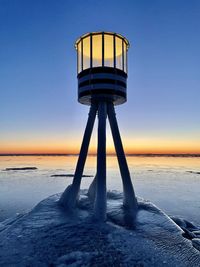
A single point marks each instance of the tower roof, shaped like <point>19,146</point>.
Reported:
<point>95,33</point>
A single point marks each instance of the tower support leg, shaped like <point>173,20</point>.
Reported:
<point>130,201</point>
<point>100,198</point>
<point>70,195</point>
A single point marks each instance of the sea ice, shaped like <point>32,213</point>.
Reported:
<point>50,236</point>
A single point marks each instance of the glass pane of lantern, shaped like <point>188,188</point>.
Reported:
<point>108,51</point>
<point>97,50</point>
<point>125,57</point>
<point>118,45</point>
<point>79,57</point>
<point>86,52</point>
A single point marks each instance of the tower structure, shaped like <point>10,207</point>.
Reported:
<point>102,84</point>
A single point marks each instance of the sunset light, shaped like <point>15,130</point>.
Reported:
<point>100,133</point>
<point>39,113</point>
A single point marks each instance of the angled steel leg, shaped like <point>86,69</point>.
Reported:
<point>70,195</point>
<point>130,201</point>
<point>100,199</point>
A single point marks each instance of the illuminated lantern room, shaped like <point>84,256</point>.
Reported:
<point>102,67</point>
<point>102,75</point>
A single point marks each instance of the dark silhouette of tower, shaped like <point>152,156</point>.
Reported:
<point>102,82</point>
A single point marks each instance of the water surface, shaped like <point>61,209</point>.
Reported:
<point>163,180</point>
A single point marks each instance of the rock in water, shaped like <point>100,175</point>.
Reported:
<point>180,222</point>
<point>21,169</point>
<point>69,175</point>
<point>197,233</point>
<point>188,234</point>
<point>48,236</point>
<point>190,226</point>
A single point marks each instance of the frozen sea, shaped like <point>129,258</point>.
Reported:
<point>172,183</point>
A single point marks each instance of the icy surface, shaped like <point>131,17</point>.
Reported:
<point>48,236</point>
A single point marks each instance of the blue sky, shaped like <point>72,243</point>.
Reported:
<point>39,111</point>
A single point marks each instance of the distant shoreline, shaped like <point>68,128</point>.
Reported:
<point>111,155</point>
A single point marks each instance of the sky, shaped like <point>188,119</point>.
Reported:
<point>39,112</point>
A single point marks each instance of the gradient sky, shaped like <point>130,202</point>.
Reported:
<point>39,111</point>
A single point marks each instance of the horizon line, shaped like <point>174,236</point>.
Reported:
<point>108,154</point>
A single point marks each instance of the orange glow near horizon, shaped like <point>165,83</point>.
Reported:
<point>135,146</point>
